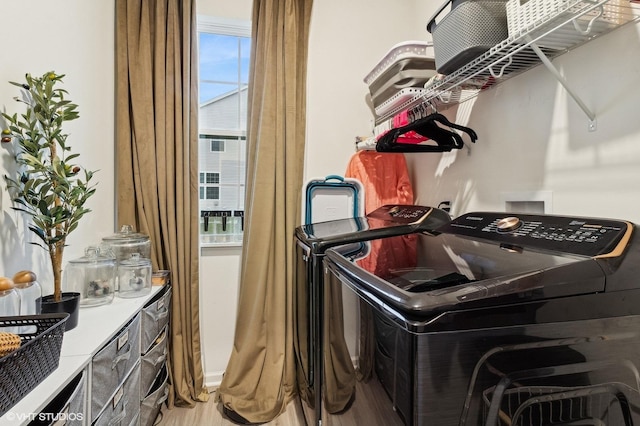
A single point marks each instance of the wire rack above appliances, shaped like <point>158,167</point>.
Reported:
<point>556,30</point>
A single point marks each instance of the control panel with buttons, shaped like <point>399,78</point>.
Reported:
<point>582,236</point>
<point>400,213</point>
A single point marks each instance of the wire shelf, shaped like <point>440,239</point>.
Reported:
<point>576,22</point>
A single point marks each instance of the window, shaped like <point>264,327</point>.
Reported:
<point>213,193</point>
<point>224,49</point>
<point>209,186</point>
<point>209,177</point>
<point>209,193</point>
<point>217,145</point>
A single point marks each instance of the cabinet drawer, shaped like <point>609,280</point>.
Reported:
<point>155,317</point>
<point>113,363</point>
<point>124,407</point>
<point>151,405</point>
<point>67,408</point>
<point>153,361</point>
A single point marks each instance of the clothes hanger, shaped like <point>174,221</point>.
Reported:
<point>444,120</point>
<point>435,115</point>
<point>446,140</point>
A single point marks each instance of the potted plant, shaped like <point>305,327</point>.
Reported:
<point>47,186</point>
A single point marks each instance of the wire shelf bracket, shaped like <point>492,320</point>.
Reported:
<point>592,124</point>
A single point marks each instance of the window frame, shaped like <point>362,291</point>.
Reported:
<point>229,27</point>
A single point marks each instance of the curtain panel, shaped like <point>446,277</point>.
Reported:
<point>260,378</point>
<point>157,163</point>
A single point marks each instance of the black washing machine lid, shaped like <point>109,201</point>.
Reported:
<point>387,220</point>
<point>483,260</point>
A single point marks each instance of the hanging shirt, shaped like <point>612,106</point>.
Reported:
<point>385,179</point>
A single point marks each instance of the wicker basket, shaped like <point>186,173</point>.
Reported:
<point>22,370</point>
<point>466,32</point>
<point>524,15</point>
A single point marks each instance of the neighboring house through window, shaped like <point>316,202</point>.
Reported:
<point>224,48</point>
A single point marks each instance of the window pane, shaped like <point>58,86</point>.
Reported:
<point>213,178</point>
<point>217,146</point>
<point>218,57</point>
<point>213,193</point>
<point>215,92</point>
<point>223,79</point>
<point>223,112</point>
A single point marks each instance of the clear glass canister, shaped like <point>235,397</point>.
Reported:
<point>93,276</point>
<point>126,242</point>
<point>9,299</point>
<point>30,292</point>
<point>134,276</point>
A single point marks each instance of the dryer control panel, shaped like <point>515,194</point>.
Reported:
<point>430,217</point>
<point>583,236</point>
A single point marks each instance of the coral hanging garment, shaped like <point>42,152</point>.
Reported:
<point>385,179</point>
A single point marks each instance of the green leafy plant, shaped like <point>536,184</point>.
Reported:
<point>48,187</point>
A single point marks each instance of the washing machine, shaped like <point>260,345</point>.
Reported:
<point>318,308</point>
<point>504,319</point>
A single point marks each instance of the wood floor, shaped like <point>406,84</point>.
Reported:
<point>371,406</point>
<point>210,414</point>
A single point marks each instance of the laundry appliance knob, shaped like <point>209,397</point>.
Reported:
<point>508,224</point>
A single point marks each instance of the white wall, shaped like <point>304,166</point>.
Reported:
<point>347,40</point>
<point>239,9</point>
<point>76,38</point>
<point>533,137</point>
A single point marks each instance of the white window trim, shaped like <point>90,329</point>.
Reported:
<point>225,26</point>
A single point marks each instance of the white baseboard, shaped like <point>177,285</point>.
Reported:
<point>212,380</point>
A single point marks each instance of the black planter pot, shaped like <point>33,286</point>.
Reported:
<point>69,304</point>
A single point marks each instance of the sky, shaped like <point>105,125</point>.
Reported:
<point>220,57</point>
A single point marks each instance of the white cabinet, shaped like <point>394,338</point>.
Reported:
<point>101,364</point>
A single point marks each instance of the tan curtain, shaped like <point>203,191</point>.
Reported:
<point>260,377</point>
<point>157,163</point>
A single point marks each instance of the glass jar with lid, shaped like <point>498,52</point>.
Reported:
<point>93,276</point>
<point>9,299</point>
<point>30,292</point>
<point>134,276</point>
<point>127,241</point>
